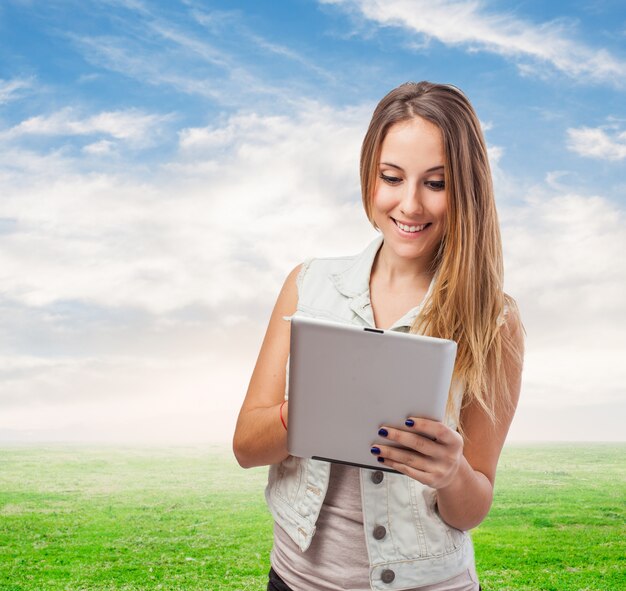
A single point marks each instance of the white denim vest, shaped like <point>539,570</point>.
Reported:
<point>418,548</point>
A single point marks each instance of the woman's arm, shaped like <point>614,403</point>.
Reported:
<point>260,437</point>
<point>463,470</point>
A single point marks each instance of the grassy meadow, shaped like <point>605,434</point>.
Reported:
<point>188,518</point>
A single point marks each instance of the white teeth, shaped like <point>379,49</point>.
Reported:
<point>410,228</point>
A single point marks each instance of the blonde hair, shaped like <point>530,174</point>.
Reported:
<point>467,302</point>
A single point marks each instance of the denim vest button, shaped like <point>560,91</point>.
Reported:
<point>380,532</point>
<point>387,576</point>
<point>377,477</point>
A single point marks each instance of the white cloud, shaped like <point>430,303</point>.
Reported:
<point>213,63</point>
<point>177,273</point>
<point>495,153</point>
<point>192,258</point>
<point>598,142</point>
<point>563,250</point>
<point>553,178</point>
<point>250,126</point>
<point>238,215</point>
<point>101,148</point>
<point>553,380</point>
<point>469,24</point>
<point>112,398</point>
<point>130,125</point>
<point>12,89</point>
<point>167,56</point>
<point>217,22</point>
<point>564,266</point>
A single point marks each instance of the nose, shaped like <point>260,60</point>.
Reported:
<point>412,200</point>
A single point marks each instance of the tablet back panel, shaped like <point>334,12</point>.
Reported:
<point>346,381</point>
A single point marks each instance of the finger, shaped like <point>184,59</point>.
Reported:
<point>435,430</point>
<point>419,475</point>
<point>410,458</point>
<point>415,441</point>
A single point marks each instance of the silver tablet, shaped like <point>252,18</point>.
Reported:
<point>345,381</point>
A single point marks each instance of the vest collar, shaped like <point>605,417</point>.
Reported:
<point>354,283</point>
<point>355,280</point>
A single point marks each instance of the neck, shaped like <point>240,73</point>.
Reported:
<point>395,273</point>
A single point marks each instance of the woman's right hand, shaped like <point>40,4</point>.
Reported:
<point>260,437</point>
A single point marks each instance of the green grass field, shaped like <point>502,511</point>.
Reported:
<point>78,518</point>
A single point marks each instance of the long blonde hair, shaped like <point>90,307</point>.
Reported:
<point>467,302</point>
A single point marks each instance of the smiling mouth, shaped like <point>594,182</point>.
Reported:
<point>413,228</point>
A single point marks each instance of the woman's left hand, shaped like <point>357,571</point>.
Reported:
<point>434,454</point>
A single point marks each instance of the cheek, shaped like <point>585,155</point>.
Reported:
<point>439,206</point>
<point>383,198</point>
<point>442,214</point>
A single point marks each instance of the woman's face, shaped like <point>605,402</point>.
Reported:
<point>409,204</point>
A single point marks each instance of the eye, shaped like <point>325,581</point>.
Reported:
<point>391,180</point>
<point>436,185</point>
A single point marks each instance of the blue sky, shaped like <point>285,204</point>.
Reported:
<point>163,165</point>
<point>191,62</point>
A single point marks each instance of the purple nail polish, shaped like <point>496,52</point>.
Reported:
<point>375,450</point>
<point>409,422</point>
<point>383,432</point>
<point>380,459</point>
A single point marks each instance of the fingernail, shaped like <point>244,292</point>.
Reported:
<point>381,459</point>
<point>409,422</point>
<point>375,450</point>
<point>383,432</point>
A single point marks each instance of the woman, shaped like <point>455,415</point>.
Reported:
<point>435,269</point>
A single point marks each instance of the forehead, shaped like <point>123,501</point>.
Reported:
<point>416,140</point>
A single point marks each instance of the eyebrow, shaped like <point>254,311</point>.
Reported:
<point>433,169</point>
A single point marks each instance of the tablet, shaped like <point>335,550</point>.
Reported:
<point>345,381</point>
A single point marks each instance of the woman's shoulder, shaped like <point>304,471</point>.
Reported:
<point>317,266</point>
<point>326,266</point>
<point>320,282</point>
<point>323,267</point>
